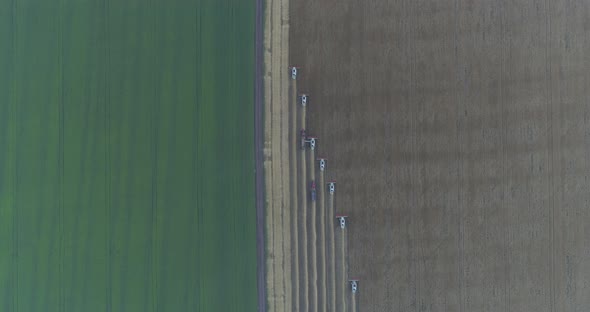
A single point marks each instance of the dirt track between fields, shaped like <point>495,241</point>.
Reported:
<point>278,174</point>
<point>459,134</point>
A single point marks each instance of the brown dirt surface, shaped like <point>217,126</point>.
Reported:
<point>459,134</point>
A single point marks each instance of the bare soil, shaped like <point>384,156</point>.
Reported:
<point>459,134</point>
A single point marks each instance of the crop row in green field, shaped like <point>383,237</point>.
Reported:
<point>126,156</point>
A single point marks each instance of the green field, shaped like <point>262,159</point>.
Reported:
<point>126,156</point>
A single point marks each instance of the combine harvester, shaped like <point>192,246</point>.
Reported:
<point>293,70</point>
<point>342,219</point>
<point>322,163</point>
<point>332,187</point>
<point>354,285</point>
<point>305,139</point>
<point>312,142</point>
<point>304,97</point>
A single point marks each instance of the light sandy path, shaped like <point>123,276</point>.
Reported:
<point>313,265</point>
<point>277,155</point>
<point>322,242</point>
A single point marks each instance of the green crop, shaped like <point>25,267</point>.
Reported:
<point>127,156</point>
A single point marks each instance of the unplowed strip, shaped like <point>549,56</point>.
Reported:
<point>330,247</point>
<point>353,303</point>
<point>322,243</point>
<point>294,202</point>
<point>340,270</point>
<point>313,265</point>
<point>344,256</point>
<point>303,272</point>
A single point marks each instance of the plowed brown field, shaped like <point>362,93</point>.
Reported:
<point>459,134</point>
